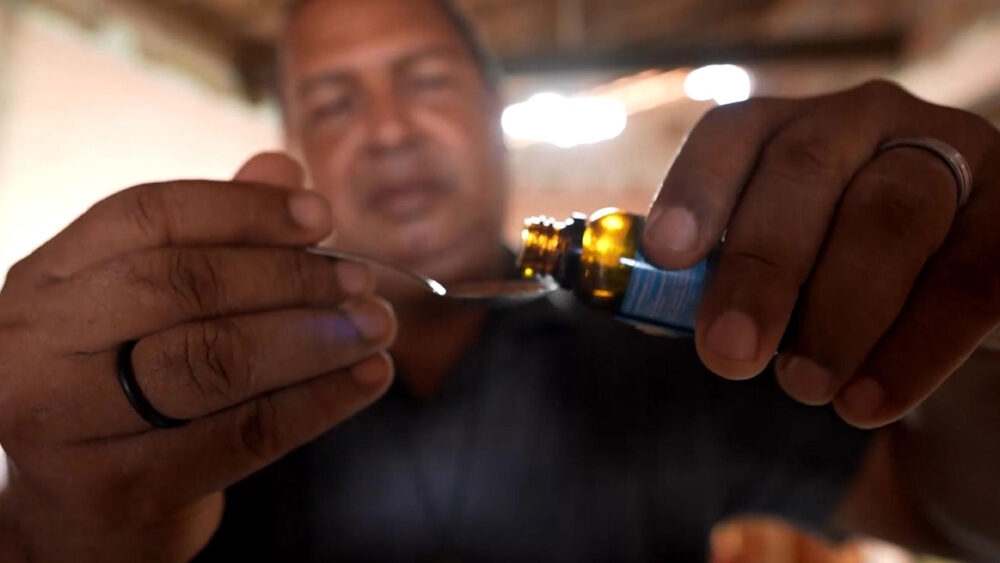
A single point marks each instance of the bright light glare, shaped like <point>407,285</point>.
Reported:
<point>565,122</point>
<point>725,84</point>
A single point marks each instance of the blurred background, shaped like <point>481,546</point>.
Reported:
<point>98,95</point>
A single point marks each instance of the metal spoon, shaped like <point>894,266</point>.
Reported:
<point>498,292</point>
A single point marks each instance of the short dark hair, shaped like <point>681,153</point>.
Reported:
<point>489,67</point>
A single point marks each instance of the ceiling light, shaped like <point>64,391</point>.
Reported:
<point>725,84</point>
<point>563,121</point>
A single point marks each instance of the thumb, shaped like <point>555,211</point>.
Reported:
<point>280,170</point>
<point>273,168</point>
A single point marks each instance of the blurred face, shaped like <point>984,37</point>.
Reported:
<point>397,128</point>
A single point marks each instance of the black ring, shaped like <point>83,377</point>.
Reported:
<point>139,402</point>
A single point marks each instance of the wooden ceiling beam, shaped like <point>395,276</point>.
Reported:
<point>883,45</point>
<point>185,35</point>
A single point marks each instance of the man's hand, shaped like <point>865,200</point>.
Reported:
<point>260,344</point>
<point>892,286</point>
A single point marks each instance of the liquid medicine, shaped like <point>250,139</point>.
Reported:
<point>601,261</point>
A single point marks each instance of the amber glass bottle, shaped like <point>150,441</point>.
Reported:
<point>600,260</point>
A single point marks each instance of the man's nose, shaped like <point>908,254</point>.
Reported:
<point>389,122</point>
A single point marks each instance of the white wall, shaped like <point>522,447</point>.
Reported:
<point>83,121</point>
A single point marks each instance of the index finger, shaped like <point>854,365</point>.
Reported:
<point>182,213</point>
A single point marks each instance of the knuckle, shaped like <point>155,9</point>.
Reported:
<point>751,110</point>
<point>309,279</point>
<point>802,155</point>
<point>19,271</point>
<point>773,263</point>
<point>259,431</point>
<point>982,133</point>
<point>132,269</point>
<point>709,183</point>
<point>194,280</point>
<point>299,274</point>
<point>31,271</point>
<point>219,359</point>
<point>905,206</point>
<point>724,114</point>
<point>141,272</point>
<point>144,206</point>
<point>881,88</point>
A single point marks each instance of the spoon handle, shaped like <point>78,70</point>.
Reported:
<point>427,283</point>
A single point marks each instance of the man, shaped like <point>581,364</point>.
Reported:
<point>532,433</point>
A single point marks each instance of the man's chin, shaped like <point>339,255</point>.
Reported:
<point>436,245</point>
<point>444,259</point>
<point>432,258</point>
<point>417,252</point>
<point>412,240</point>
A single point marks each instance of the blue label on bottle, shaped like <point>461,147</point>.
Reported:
<point>665,298</point>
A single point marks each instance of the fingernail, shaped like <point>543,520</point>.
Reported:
<point>805,380</point>
<point>308,210</point>
<point>354,278</point>
<point>676,228</point>
<point>369,373</point>
<point>733,336</point>
<point>370,318</point>
<point>863,399</point>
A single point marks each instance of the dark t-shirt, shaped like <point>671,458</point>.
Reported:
<point>561,436</point>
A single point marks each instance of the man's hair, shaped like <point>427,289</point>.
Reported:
<point>488,65</point>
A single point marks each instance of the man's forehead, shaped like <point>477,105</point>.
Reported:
<point>322,30</point>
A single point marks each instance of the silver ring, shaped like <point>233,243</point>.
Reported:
<point>956,162</point>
